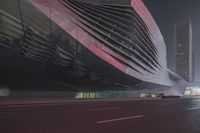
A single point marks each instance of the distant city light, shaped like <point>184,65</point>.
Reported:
<point>192,91</point>
<point>4,91</point>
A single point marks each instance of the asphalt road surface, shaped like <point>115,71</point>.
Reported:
<point>104,116</point>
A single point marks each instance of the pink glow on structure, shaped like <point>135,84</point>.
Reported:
<point>144,13</point>
<point>63,18</point>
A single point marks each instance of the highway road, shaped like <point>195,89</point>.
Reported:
<point>101,116</point>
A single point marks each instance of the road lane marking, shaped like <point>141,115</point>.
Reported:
<point>6,112</point>
<point>119,119</point>
<point>195,108</point>
<point>105,109</point>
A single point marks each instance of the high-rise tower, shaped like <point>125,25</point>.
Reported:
<point>183,49</point>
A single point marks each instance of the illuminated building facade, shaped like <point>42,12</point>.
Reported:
<point>82,44</point>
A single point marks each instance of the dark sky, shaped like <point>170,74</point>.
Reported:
<point>166,13</point>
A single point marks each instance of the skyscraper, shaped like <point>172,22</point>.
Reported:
<point>183,49</point>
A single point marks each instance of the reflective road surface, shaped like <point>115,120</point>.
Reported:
<point>100,116</point>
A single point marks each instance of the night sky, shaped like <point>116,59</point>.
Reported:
<point>166,13</point>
